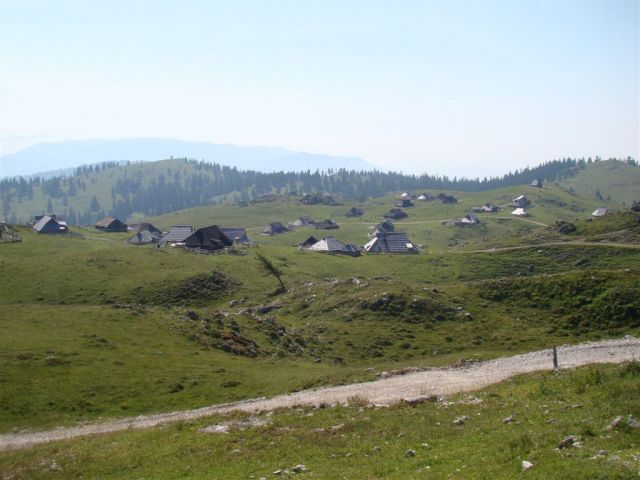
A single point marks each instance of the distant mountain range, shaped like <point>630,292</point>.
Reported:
<point>56,157</point>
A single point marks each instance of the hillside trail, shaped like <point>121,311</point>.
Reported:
<point>550,244</point>
<point>387,391</point>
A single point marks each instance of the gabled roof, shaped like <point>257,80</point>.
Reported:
<point>404,202</point>
<point>326,225</point>
<point>391,242</point>
<point>444,198</point>
<point>536,183</point>
<point>208,238</point>
<point>148,227</point>
<point>520,212</point>
<point>327,244</point>
<point>49,224</point>
<point>425,197</point>
<point>105,222</point>
<point>308,242</point>
<point>303,221</point>
<point>177,234</point>
<point>354,212</point>
<point>144,237</point>
<point>275,228</point>
<point>386,226</point>
<point>489,207</point>
<point>600,212</point>
<point>236,234</point>
<point>469,219</point>
<point>396,214</point>
<point>333,245</point>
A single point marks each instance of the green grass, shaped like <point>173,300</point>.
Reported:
<point>359,442</point>
<point>614,179</point>
<point>101,329</point>
<point>89,339</point>
<point>424,224</point>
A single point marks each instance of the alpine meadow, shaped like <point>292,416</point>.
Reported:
<point>435,274</point>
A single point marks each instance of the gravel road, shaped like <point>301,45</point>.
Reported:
<point>437,381</point>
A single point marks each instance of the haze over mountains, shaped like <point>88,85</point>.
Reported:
<point>56,156</point>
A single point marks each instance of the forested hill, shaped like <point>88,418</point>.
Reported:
<point>154,188</point>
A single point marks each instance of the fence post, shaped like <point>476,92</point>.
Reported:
<point>555,358</point>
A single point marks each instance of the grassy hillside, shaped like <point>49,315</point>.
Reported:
<point>359,442</point>
<point>615,180</point>
<point>424,224</point>
<point>102,328</point>
<point>153,188</point>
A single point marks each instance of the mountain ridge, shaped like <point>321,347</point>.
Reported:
<point>54,156</point>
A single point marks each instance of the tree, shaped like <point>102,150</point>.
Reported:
<point>49,207</point>
<point>271,269</point>
<point>95,206</point>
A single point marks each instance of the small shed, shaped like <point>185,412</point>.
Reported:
<point>354,212</point>
<point>145,237</point>
<point>303,221</point>
<point>520,212</point>
<point>237,235</point>
<point>467,220</point>
<point>147,227</point>
<point>50,224</point>
<point>537,183</point>
<point>396,214</point>
<point>391,242</point>
<point>404,203</point>
<point>334,246</point>
<point>308,242</point>
<point>486,208</point>
<point>521,201</point>
<point>599,212</point>
<point>446,199</point>
<point>327,224</point>
<point>176,234</point>
<point>111,225</point>
<point>386,226</point>
<point>425,197</point>
<point>208,238</point>
<point>275,228</point>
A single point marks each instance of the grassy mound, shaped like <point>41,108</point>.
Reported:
<point>202,289</point>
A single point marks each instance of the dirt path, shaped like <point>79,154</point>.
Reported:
<point>632,246</point>
<point>437,381</point>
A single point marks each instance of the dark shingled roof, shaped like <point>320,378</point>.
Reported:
<point>326,225</point>
<point>396,214</point>
<point>404,203</point>
<point>354,212</point>
<point>303,221</point>
<point>275,228</point>
<point>391,242</point>
<point>177,234</point>
<point>148,227</point>
<point>308,242</point>
<point>236,234</point>
<point>111,224</point>
<point>208,238</point>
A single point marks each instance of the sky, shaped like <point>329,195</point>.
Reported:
<point>462,88</point>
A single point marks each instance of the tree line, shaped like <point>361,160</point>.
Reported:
<point>188,183</point>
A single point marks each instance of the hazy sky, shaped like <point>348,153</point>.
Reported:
<point>456,87</point>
